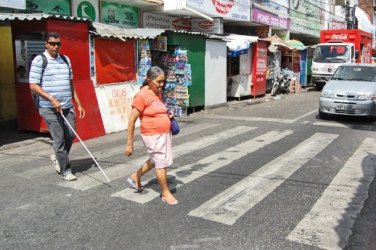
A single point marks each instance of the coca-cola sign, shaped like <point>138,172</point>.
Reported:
<point>338,37</point>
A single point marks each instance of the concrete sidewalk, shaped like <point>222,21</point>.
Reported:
<point>11,137</point>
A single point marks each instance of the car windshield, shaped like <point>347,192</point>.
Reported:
<point>355,73</point>
<point>331,53</point>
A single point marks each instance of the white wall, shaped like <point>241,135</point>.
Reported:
<point>115,102</point>
<point>215,73</point>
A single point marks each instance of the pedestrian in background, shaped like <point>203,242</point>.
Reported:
<point>55,88</point>
<point>155,132</point>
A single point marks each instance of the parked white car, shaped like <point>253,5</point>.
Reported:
<point>350,91</point>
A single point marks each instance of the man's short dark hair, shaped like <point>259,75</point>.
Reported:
<point>52,34</point>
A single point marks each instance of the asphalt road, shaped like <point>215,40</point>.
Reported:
<point>254,174</point>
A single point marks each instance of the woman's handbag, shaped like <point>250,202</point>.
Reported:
<point>174,126</point>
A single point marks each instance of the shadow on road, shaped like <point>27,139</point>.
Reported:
<point>358,123</point>
<point>10,133</point>
<point>364,230</point>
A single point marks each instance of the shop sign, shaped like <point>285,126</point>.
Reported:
<point>279,7</point>
<point>337,20</point>
<point>165,22</point>
<point>15,4</point>
<point>206,26</point>
<point>304,28</point>
<point>86,9</point>
<point>238,10</point>
<point>338,25</point>
<point>228,9</point>
<point>57,7</point>
<point>154,21</point>
<point>119,15</point>
<point>305,16</point>
<point>264,17</point>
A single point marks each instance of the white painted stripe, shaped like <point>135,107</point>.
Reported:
<point>305,115</point>
<point>121,170</point>
<point>251,119</point>
<point>184,131</point>
<point>328,225</point>
<point>207,165</point>
<point>330,124</point>
<point>235,201</point>
<point>78,152</point>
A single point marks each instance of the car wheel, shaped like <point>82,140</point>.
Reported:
<point>371,119</point>
<point>322,115</point>
<point>319,86</point>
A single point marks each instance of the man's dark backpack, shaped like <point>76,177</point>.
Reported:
<point>34,95</point>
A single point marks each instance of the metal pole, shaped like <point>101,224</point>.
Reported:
<point>85,146</point>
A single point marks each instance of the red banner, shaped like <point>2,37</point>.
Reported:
<point>114,61</point>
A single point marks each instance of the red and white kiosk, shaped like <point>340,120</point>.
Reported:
<point>75,39</point>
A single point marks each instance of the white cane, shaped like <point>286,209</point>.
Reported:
<point>84,146</point>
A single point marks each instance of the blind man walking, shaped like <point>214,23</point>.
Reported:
<point>53,83</point>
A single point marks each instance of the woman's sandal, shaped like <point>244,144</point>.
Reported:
<point>132,184</point>
<point>170,203</point>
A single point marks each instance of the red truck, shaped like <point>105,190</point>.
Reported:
<point>337,47</point>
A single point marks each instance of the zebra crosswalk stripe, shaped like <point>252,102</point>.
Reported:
<point>89,181</point>
<point>235,201</point>
<point>252,119</point>
<point>77,152</point>
<point>327,224</point>
<point>209,164</point>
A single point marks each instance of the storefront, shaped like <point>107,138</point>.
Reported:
<point>184,56</point>
<point>118,70</point>
<point>299,61</point>
<point>28,32</point>
<point>279,57</point>
<point>205,56</point>
<point>240,59</point>
<point>192,42</point>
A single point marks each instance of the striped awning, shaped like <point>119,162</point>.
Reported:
<point>295,44</point>
<point>37,16</point>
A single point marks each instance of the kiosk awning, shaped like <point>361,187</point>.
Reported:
<point>238,44</point>
<point>295,44</point>
<point>105,30</point>
<point>277,41</point>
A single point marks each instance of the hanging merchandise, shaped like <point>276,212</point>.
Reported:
<point>159,43</point>
<point>178,77</point>
<point>144,63</point>
<point>182,74</point>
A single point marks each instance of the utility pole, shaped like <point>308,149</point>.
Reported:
<point>348,14</point>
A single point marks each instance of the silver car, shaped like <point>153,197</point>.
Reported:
<point>350,91</point>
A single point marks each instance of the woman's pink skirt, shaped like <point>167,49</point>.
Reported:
<point>159,149</point>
